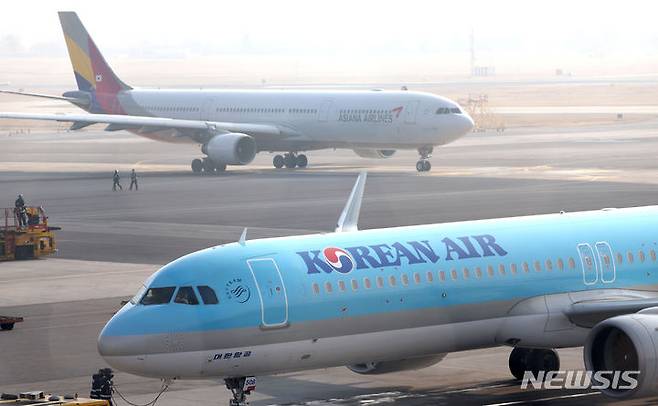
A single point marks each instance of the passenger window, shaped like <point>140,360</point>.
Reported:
<point>355,284</point>
<point>316,288</point>
<point>366,283</point>
<point>405,279</point>
<point>501,269</point>
<point>466,273</point>
<point>380,282</point>
<point>641,256</point>
<point>453,275</point>
<point>549,265</point>
<point>185,295</point>
<point>416,277</point>
<point>328,287</point>
<point>652,254</point>
<point>572,263</point>
<point>156,296</point>
<point>537,266</point>
<point>391,280</point>
<point>430,277</point>
<point>442,276</point>
<point>341,286</point>
<point>620,258</point>
<point>478,272</point>
<point>490,271</point>
<point>560,264</point>
<point>208,295</point>
<point>513,268</point>
<point>630,257</point>
<point>526,267</point>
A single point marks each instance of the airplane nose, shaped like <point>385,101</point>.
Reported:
<point>468,123</point>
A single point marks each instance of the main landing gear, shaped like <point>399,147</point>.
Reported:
<point>424,165</point>
<point>240,388</point>
<point>207,165</point>
<point>532,360</point>
<point>290,160</point>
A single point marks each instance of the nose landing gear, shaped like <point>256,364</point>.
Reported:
<point>240,388</point>
<point>424,165</point>
<point>290,160</point>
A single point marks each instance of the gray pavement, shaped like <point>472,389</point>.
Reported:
<point>111,240</point>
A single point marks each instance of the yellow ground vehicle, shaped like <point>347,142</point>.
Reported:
<point>26,234</point>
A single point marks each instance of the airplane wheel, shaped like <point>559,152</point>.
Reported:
<point>427,166</point>
<point>197,165</point>
<point>290,161</point>
<point>278,161</point>
<point>532,360</point>
<point>419,166</point>
<point>302,161</point>
<point>208,165</point>
<point>518,362</point>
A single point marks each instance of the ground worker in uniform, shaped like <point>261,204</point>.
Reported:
<point>21,212</point>
<point>116,178</point>
<point>133,180</point>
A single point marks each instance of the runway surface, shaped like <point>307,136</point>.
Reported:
<point>111,241</point>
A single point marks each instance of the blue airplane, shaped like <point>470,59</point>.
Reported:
<point>396,299</point>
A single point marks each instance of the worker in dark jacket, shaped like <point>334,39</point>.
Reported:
<point>21,211</point>
<point>116,178</point>
<point>133,180</point>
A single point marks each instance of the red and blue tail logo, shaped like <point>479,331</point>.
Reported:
<point>339,259</point>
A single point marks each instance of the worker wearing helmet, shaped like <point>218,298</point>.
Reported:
<point>20,211</point>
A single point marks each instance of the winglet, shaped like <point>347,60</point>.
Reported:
<point>349,218</point>
<point>243,237</point>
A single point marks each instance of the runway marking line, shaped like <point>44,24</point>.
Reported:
<point>519,402</point>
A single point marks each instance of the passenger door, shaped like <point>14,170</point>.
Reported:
<point>588,262</point>
<point>411,111</point>
<point>271,291</point>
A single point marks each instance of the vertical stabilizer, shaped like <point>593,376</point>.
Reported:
<point>349,218</point>
<point>92,73</point>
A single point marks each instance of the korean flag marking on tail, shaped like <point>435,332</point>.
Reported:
<point>338,259</point>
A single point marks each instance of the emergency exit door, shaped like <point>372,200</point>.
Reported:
<point>271,291</point>
<point>410,112</point>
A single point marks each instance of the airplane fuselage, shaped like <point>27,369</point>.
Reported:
<point>310,119</point>
<point>295,303</point>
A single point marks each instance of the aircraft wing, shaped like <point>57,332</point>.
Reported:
<point>588,313</point>
<point>43,96</point>
<point>197,129</point>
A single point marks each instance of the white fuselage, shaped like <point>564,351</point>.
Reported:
<point>312,119</point>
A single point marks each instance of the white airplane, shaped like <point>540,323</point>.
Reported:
<point>233,125</point>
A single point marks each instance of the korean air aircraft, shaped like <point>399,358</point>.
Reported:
<point>232,126</point>
<point>396,299</point>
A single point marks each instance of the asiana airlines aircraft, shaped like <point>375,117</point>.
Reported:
<point>395,299</point>
<point>232,126</point>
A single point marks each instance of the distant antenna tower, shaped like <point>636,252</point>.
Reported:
<point>472,52</point>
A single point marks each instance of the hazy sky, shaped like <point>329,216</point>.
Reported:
<point>508,33</point>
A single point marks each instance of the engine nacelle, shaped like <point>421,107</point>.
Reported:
<point>384,367</point>
<point>230,149</point>
<point>375,153</point>
<point>625,343</point>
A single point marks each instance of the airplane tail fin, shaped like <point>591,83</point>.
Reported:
<point>92,73</point>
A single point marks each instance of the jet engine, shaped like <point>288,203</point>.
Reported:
<point>230,149</point>
<point>375,153</point>
<point>384,367</point>
<point>625,344</point>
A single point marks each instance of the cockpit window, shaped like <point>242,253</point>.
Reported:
<point>186,296</point>
<point>448,110</point>
<point>207,295</point>
<point>155,296</point>
<point>138,295</point>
